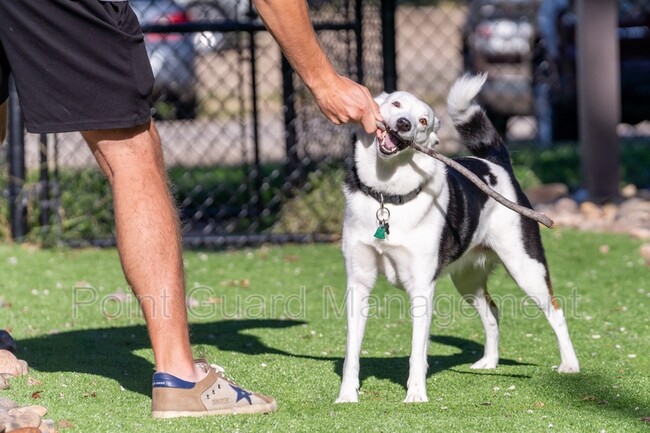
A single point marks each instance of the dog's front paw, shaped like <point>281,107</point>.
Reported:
<point>349,392</point>
<point>348,397</point>
<point>416,397</point>
<point>569,367</point>
<point>485,363</point>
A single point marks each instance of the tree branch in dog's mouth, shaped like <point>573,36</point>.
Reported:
<point>527,212</point>
<point>383,131</point>
<point>389,140</point>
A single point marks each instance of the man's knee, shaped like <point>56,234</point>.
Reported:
<point>3,122</point>
<point>116,135</point>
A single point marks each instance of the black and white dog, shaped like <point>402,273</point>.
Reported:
<point>413,219</point>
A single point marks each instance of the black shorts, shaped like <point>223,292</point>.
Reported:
<point>78,64</point>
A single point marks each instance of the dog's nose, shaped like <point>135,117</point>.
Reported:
<point>403,125</point>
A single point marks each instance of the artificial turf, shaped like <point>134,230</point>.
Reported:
<point>274,318</point>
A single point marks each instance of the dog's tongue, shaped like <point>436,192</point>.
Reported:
<point>386,140</point>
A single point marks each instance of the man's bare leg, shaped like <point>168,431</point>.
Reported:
<point>148,239</point>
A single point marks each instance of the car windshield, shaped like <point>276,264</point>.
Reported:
<point>496,9</point>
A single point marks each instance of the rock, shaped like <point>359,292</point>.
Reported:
<point>24,418</point>
<point>4,383</point>
<point>547,193</point>
<point>38,410</point>
<point>566,205</point>
<point>629,190</point>
<point>641,233</point>
<point>47,426</point>
<point>7,342</point>
<point>9,363</point>
<point>609,212</point>
<point>26,430</point>
<point>24,367</point>
<point>7,404</point>
<point>590,210</point>
<point>8,423</point>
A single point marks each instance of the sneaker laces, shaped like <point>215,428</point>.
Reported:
<point>221,372</point>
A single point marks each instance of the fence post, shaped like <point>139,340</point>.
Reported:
<point>599,97</point>
<point>16,159</point>
<point>292,167</point>
<point>388,8</point>
<point>44,193</point>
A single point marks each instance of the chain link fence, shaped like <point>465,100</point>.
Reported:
<point>249,155</point>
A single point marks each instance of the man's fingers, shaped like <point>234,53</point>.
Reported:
<point>369,122</point>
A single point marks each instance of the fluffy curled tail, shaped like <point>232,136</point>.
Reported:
<point>475,129</point>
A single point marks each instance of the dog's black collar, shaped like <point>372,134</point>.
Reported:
<point>354,183</point>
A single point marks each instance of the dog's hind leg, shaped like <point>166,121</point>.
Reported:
<point>358,290</point>
<point>532,276</point>
<point>471,283</point>
<point>421,297</point>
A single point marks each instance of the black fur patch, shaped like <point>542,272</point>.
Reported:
<point>483,141</point>
<point>466,203</point>
<point>480,138</point>
<point>352,182</point>
<point>529,229</point>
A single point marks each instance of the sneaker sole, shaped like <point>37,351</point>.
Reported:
<point>252,409</point>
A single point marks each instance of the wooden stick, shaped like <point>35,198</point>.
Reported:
<point>528,213</point>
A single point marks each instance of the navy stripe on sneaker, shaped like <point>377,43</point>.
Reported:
<point>164,380</point>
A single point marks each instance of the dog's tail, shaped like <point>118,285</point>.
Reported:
<point>476,131</point>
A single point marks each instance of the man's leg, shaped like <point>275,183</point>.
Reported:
<point>148,239</point>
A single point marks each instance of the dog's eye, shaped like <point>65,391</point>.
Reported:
<point>424,121</point>
<point>396,104</point>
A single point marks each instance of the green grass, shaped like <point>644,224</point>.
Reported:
<point>272,316</point>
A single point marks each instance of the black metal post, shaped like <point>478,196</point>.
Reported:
<point>358,33</point>
<point>16,159</point>
<point>292,166</point>
<point>388,8</point>
<point>44,180</point>
<point>257,167</point>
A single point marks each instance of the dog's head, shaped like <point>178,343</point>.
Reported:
<point>407,120</point>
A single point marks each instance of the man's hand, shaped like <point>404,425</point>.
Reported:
<point>3,122</point>
<point>344,101</point>
<point>339,98</point>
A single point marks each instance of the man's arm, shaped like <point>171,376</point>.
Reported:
<point>3,122</point>
<point>339,98</point>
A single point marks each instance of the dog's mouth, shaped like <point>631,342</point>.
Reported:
<point>390,142</point>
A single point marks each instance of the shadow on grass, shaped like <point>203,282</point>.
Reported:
<point>396,369</point>
<point>109,352</point>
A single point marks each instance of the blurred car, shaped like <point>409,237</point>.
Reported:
<point>499,38</point>
<point>225,11</point>
<point>557,96</point>
<point>219,11</point>
<point>172,59</point>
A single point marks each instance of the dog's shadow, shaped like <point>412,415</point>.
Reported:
<point>396,369</point>
<point>111,352</point>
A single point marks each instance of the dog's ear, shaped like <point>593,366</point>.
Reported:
<point>432,140</point>
<point>379,99</point>
<point>436,123</point>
